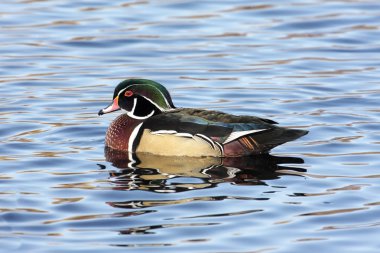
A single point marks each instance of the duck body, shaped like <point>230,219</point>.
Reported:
<point>153,125</point>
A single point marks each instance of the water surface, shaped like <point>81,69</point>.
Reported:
<point>307,64</point>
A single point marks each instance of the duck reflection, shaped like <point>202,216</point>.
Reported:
<point>176,174</point>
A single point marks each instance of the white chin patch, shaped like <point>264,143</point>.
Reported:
<point>131,113</point>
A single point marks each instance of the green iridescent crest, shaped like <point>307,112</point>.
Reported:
<point>149,89</point>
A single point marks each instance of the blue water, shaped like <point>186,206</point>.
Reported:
<point>307,64</point>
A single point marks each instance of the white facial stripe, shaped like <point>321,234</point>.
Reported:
<point>132,112</point>
<point>140,117</point>
<point>159,107</point>
<point>166,101</point>
<point>121,91</point>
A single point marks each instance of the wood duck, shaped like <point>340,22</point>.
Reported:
<point>152,124</point>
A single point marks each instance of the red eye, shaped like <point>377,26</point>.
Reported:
<point>128,93</point>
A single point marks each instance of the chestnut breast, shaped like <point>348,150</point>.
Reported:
<point>119,132</point>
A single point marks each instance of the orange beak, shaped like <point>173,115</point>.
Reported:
<point>114,106</point>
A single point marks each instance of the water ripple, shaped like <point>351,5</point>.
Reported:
<point>308,64</point>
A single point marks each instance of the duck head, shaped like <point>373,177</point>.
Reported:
<point>140,98</point>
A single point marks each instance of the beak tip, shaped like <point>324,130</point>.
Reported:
<point>100,113</point>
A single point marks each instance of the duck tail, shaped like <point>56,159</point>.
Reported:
<point>262,142</point>
<point>277,136</point>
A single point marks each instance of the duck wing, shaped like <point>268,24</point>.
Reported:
<point>222,117</point>
<point>239,135</point>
